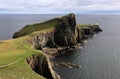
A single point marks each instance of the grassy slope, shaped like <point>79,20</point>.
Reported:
<point>12,50</point>
<point>83,26</point>
<point>28,29</point>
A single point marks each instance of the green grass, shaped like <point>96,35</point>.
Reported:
<point>19,70</point>
<point>83,26</point>
<point>28,29</point>
<point>12,50</point>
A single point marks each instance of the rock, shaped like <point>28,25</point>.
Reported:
<point>65,31</point>
<point>87,31</point>
<point>68,64</point>
<point>43,39</point>
<point>97,28</point>
<point>81,35</point>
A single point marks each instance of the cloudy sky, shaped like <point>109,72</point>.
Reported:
<point>59,6</point>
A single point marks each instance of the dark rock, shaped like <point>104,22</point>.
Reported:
<point>65,32</point>
<point>41,65</point>
<point>69,64</point>
<point>97,28</point>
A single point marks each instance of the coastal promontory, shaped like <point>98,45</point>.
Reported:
<point>28,55</point>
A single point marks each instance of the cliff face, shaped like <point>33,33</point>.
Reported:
<point>65,32</point>
<point>41,65</point>
<point>44,39</point>
<point>81,35</point>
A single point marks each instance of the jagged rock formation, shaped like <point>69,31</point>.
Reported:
<point>62,32</point>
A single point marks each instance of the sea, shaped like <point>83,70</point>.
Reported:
<point>100,57</point>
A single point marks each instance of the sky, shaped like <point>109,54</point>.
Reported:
<point>59,6</point>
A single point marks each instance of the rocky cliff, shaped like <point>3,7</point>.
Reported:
<point>41,65</point>
<point>55,33</point>
<point>65,32</point>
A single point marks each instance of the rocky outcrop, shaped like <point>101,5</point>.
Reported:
<point>87,31</point>
<point>68,64</point>
<point>96,28</point>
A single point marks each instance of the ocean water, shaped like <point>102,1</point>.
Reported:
<point>99,60</point>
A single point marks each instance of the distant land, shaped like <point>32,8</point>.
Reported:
<point>88,12</point>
